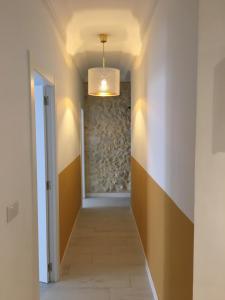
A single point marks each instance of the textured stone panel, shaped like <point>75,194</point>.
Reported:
<point>107,123</point>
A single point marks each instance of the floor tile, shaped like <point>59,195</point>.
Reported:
<point>130,294</point>
<point>76,294</point>
<point>104,260</point>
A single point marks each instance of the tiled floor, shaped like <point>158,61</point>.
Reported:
<point>104,260</point>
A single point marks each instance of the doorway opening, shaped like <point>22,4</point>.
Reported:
<point>45,177</point>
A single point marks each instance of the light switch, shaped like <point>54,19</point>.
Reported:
<point>12,211</point>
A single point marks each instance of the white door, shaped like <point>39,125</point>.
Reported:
<point>42,183</point>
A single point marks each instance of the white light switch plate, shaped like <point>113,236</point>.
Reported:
<point>12,211</point>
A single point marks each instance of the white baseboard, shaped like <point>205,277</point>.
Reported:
<point>68,242</point>
<point>151,282</point>
<point>154,293</point>
<point>106,202</point>
<point>108,195</point>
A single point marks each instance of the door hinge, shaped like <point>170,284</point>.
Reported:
<point>48,185</point>
<point>46,100</point>
<point>49,267</point>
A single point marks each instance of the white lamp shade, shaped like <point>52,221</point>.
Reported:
<point>103,82</point>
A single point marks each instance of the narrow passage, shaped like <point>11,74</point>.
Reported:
<point>104,261</point>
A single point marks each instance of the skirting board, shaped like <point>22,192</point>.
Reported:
<point>154,293</point>
<point>106,202</point>
<point>68,243</point>
<point>108,195</point>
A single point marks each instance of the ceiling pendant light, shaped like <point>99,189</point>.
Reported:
<point>102,81</point>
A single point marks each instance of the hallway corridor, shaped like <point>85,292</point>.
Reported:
<point>104,261</point>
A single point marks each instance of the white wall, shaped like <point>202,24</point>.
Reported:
<point>164,100</point>
<point>209,265</point>
<point>26,25</point>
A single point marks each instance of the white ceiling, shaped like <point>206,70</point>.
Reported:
<point>81,21</point>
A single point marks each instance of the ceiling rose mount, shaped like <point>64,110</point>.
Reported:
<point>103,81</point>
<point>103,37</point>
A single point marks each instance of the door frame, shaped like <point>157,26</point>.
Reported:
<point>82,151</point>
<point>54,198</point>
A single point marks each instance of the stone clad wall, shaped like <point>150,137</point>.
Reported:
<point>107,123</point>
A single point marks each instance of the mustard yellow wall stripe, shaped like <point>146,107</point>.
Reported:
<point>167,236</point>
<point>69,200</point>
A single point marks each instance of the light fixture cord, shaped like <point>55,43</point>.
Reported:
<point>103,54</point>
